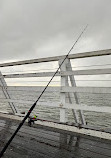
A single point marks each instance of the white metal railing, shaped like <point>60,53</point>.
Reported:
<point>65,90</point>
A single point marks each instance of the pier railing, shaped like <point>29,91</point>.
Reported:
<point>68,90</point>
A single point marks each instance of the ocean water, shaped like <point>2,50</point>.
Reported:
<point>102,120</point>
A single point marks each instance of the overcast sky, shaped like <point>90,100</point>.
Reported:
<point>32,29</point>
<point>40,28</point>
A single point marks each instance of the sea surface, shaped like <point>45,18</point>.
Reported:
<point>102,120</point>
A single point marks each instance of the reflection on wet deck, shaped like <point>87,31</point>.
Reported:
<point>33,142</point>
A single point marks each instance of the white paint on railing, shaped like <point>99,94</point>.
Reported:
<point>50,59</point>
<point>40,74</point>
<point>63,112</point>
<point>32,88</point>
<point>87,72</point>
<point>63,73</point>
<point>26,89</point>
<point>74,95</point>
<point>6,94</point>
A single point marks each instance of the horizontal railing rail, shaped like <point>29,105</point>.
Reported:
<point>63,73</point>
<point>50,59</point>
<point>31,88</point>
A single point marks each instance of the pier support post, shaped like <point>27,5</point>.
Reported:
<point>71,96</point>
<point>63,112</point>
<point>66,66</point>
<point>73,84</point>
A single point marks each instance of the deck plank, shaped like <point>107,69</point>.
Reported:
<point>36,142</point>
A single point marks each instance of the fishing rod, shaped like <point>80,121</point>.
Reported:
<point>33,106</point>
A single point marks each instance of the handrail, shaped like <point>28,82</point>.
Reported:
<point>56,58</point>
<point>63,73</point>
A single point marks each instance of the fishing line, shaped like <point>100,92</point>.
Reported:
<point>33,106</point>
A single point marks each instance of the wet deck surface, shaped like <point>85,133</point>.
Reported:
<point>33,142</point>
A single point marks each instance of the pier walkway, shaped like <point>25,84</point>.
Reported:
<point>43,142</point>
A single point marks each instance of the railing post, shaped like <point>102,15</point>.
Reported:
<point>71,98</point>
<point>63,112</point>
<point>73,84</point>
<point>6,94</point>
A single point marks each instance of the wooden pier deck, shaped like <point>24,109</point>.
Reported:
<point>41,142</point>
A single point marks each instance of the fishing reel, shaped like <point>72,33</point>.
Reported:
<point>31,120</point>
